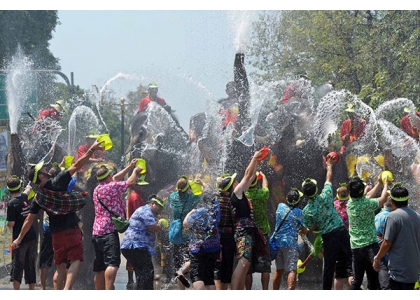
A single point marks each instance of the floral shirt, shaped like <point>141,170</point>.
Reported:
<point>362,229</point>
<point>111,195</point>
<point>341,207</point>
<point>259,199</point>
<point>137,235</point>
<point>287,235</point>
<point>320,213</point>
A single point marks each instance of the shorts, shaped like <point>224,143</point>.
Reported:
<point>261,264</point>
<point>107,251</point>
<point>244,242</point>
<point>223,269</point>
<point>287,259</point>
<point>46,253</point>
<point>24,260</point>
<point>342,269</point>
<point>202,267</point>
<point>129,266</point>
<point>67,246</point>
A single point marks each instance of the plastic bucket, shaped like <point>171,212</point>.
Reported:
<point>31,194</point>
<point>141,163</point>
<point>196,188</point>
<point>68,161</point>
<point>107,143</point>
<point>385,174</point>
<point>300,270</point>
<point>334,156</point>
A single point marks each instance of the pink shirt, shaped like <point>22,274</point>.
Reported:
<point>111,195</point>
<point>341,207</point>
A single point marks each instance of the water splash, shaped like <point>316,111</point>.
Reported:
<point>82,121</point>
<point>19,85</point>
<point>241,22</point>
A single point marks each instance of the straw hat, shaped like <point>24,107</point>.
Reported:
<point>58,106</point>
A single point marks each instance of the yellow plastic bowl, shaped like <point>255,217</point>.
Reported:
<point>300,270</point>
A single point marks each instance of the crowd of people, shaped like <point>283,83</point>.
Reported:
<point>226,235</point>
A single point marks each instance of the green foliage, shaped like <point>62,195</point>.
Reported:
<point>31,30</point>
<point>373,54</point>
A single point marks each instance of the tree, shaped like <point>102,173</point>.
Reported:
<point>30,32</point>
<point>373,54</point>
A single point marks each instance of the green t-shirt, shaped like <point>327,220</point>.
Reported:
<point>259,199</point>
<point>361,212</point>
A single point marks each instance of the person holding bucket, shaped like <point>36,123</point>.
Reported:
<point>105,238</point>
<point>66,233</point>
<point>182,201</point>
<point>97,156</point>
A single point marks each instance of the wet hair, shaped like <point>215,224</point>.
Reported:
<point>309,189</point>
<point>181,185</point>
<point>293,198</point>
<point>54,171</point>
<point>342,192</point>
<point>399,192</point>
<point>356,187</point>
<point>197,123</point>
<point>12,183</point>
<point>101,172</point>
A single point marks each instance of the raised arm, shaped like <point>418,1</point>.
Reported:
<point>329,176</point>
<point>249,175</point>
<point>85,158</point>
<point>264,180</point>
<point>121,174</point>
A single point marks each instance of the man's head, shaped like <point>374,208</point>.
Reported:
<point>231,89</point>
<point>153,90</point>
<point>54,171</point>
<point>91,138</point>
<point>14,184</point>
<point>302,74</point>
<point>58,106</point>
<point>255,182</point>
<point>293,197</point>
<point>343,192</point>
<point>350,111</point>
<point>309,187</point>
<point>104,173</point>
<point>38,173</point>
<point>156,204</point>
<point>225,183</point>
<point>356,187</point>
<point>399,195</point>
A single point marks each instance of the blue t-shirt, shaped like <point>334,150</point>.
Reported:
<point>287,235</point>
<point>137,235</point>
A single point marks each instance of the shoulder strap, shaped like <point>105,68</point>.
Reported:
<point>278,228</point>
<point>110,212</point>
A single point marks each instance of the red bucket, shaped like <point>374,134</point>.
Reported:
<point>265,153</point>
<point>334,155</point>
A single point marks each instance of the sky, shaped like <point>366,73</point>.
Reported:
<point>186,47</point>
<point>189,54</point>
